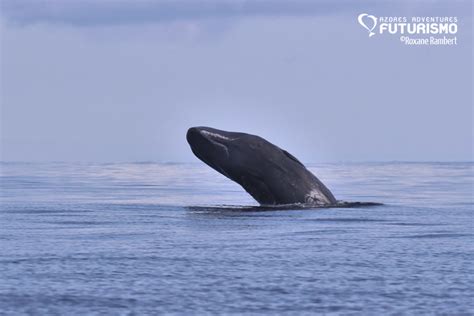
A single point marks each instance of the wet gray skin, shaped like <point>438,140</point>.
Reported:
<point>271,175</point>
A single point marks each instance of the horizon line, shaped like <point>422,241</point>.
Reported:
<point>199,162</point>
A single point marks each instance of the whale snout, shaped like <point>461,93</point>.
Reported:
<point>192,135</point>
<point>208,144</point>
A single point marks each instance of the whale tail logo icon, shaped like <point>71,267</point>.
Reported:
<point>362,21</point>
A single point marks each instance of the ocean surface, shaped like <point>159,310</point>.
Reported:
<point>148,238</point>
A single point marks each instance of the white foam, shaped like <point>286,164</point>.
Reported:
<point>316,197</point>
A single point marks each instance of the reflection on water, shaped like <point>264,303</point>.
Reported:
<point>181,238</point>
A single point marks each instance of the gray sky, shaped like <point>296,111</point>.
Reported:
<point>123,80</point>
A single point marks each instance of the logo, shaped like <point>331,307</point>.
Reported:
<point>366,17</point>
<point>414,30</point>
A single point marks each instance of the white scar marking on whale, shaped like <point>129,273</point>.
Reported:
<point>316,197</point>
<point>218,136</point>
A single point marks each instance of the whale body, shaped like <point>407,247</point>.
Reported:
<point>271,175</point>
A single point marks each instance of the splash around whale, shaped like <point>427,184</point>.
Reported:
<point>271,175</point>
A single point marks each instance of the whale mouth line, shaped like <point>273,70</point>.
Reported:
<point>215,138</point>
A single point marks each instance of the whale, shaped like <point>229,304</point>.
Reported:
<point>270,174</point>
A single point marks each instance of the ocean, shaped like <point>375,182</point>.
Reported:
<point>154,238</point>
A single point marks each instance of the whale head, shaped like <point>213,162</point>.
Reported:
<point>268,173</point>
<point>227,152</point>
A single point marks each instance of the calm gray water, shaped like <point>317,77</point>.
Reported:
<point>180,238</point>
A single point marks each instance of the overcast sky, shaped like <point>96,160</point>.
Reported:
<point>123,80</point>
